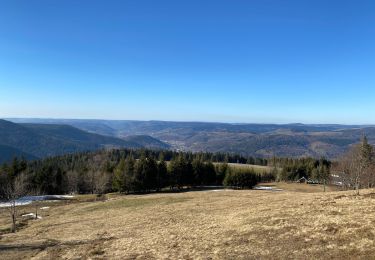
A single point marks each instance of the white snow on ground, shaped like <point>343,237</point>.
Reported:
<point>30,216</point>
<point>18,203</point>
<point>63,196</point>
<point>29,199</point>
<point>44,208</point>
<point>266,188</point>
<point>254,188</point>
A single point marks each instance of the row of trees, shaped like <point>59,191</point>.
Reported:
<point>115,170</point>
<point>168,155</point>
<point>147,174</point>
<point>144,170</point>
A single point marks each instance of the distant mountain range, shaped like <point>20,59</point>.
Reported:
<point>33,141</point>
<point>260,140</point>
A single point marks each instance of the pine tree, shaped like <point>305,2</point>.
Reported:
<point>366,157</point>
<point>128,177</point>
<point>367,153</point>
<point>118,178</point>
<point>162,177</point>
<point>209,176</point>
<point>198,171</point>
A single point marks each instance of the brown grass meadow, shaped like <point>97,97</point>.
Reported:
<point>217,224</point>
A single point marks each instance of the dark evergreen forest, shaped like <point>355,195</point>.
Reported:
<point>142,170</point>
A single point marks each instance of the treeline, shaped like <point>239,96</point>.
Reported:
<point>129,170</point>
<point>168,155</point>
<point>125,171</point>
<point>293,169</point>
<point>147,174</point>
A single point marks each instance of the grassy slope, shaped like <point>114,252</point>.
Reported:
<point>217,225</point>
<point>257,168</point>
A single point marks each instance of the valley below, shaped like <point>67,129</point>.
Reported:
<point>257,140</point>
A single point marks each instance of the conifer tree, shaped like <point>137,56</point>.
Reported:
<point>118,178</point>
<point>161,180</point>
<point>128,177</point>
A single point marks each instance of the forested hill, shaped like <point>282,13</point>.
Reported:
<point>42,140</point>
<point>258,140</point>
<point>7,153</point>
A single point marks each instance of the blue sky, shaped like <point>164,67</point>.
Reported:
<point>229,61</point>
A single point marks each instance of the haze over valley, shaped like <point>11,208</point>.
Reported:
<point>258,140</point>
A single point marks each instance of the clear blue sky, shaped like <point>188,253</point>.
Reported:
<point>229,61</point>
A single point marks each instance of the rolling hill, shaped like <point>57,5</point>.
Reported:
<point>260,140</point>
<point>41,140</point>
<point>7,153</point>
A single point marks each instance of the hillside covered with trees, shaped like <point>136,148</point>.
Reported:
<point>42,140</point>
<point>257,140</point>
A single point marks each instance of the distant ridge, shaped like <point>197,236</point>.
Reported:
<point>258,140</point>
<point>40,140</point>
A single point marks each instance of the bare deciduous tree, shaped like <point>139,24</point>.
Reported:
<point>72,181</point>
<point>12,191</point>
<point>102,181</point>
<point>356,166</point>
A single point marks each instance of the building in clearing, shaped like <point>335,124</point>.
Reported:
<point>302,180</point>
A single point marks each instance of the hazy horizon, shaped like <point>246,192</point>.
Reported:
<point>310,62</point>
<point>178,121</point>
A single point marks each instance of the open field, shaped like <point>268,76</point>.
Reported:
<point>251,166</point>
<point>256,168</point>
<point>221,224</point>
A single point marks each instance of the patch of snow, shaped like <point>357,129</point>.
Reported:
<point>30,216</point>
<point>18,203</point>
<point>26,200</point>
<point>266,188</point>
<point>262,188</point>
<point>63,196</point>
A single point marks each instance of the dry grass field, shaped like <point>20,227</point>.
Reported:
<point>225,224</point>
<point>257,168</point>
